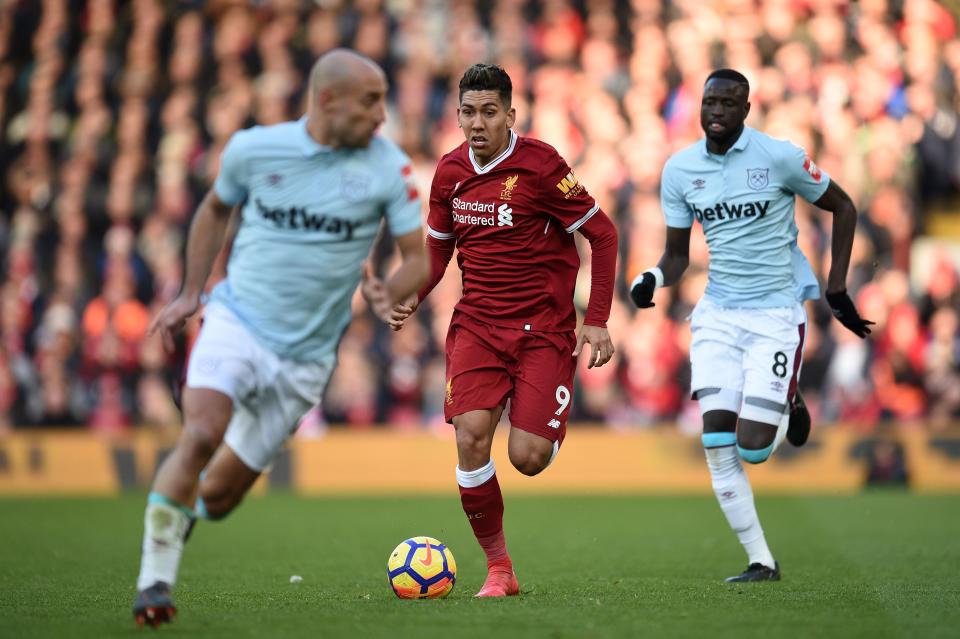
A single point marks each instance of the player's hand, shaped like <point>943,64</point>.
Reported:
<point>846,313</point>
<point>374,291</point>
<point>171,319</point>
<point>642,288</point>
<point>400,312</point>
<point>601,346</point>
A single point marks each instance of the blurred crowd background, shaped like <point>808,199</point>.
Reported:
<point>113,114</point>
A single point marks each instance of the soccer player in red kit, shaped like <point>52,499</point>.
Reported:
<point>510,205</point>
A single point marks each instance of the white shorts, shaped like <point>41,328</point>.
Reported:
<point>747,360</point>
<point>269,394</point>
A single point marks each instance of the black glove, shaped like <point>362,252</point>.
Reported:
<point>642,291</point>
<point>846,313</point>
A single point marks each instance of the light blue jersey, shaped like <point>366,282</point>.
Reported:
<point>745,200</point>
<point>309,217</point>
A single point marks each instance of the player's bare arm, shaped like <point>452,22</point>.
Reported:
<point>667,272</point>
<point>413,269</point>
<point>207,233</point>
<point>402,284</point>
<point>836,200</point>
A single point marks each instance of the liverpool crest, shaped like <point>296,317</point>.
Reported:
<point>508,185</point>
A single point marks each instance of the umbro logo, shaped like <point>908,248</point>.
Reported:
<point>699,184</point>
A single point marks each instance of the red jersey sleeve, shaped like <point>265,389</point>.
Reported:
<point>439,218</point>
<point>566,199</point>
<point>564,196</point>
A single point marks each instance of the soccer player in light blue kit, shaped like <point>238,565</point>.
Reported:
<point>312,194</point>
<point>748,329</point>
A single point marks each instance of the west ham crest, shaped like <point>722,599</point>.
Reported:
<point>758,178</point>
<point>355,186</point>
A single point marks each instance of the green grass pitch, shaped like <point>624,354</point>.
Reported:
<point>874,565</point>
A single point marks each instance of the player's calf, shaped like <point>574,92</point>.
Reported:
<point>223,484</point>
<point>214,508</point>
<point>474,431</point>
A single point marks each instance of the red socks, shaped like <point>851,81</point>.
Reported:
<point>483,505</point>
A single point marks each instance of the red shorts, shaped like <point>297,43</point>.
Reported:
<point>487,364</point>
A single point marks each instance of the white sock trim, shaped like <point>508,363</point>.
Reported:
<point>478,477</point>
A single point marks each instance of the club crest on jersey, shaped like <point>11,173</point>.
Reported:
<point>758,178</point>
<point>355,186</point>
<point>812,169</point>
<point>508,185</point>
<point>570,186</point>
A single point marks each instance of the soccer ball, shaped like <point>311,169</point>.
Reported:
<point>421,568</point>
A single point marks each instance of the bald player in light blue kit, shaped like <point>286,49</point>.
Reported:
<point>312,193</point>
<point>748,329</point>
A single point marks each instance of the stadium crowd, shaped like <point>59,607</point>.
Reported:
<point>113,115</point>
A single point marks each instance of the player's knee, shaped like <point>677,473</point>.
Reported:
<point>203,431</point>
<point>473,442</point>
<point>199,441</point>
<point>530,460</point>
<point>205,421</point>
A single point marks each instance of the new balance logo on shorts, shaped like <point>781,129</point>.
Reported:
<point>554,423</point>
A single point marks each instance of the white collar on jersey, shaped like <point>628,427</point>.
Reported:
<point>307,143</point>
<point>497,160</point>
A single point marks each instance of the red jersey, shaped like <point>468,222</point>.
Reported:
<point>512,221</point>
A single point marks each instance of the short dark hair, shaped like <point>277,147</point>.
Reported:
<point>487,77</point>
<point>730,74</point>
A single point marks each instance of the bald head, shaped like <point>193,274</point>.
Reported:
<point>347,99</point>
<point>342,66</point>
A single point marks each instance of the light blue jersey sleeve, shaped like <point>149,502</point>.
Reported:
<point>675,210</point>
<point>231,184</point>
<point>403,201</point>
<point>810,182</point>
<point>800,174</point>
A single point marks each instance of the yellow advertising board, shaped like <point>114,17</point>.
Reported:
<point>382,461</point>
